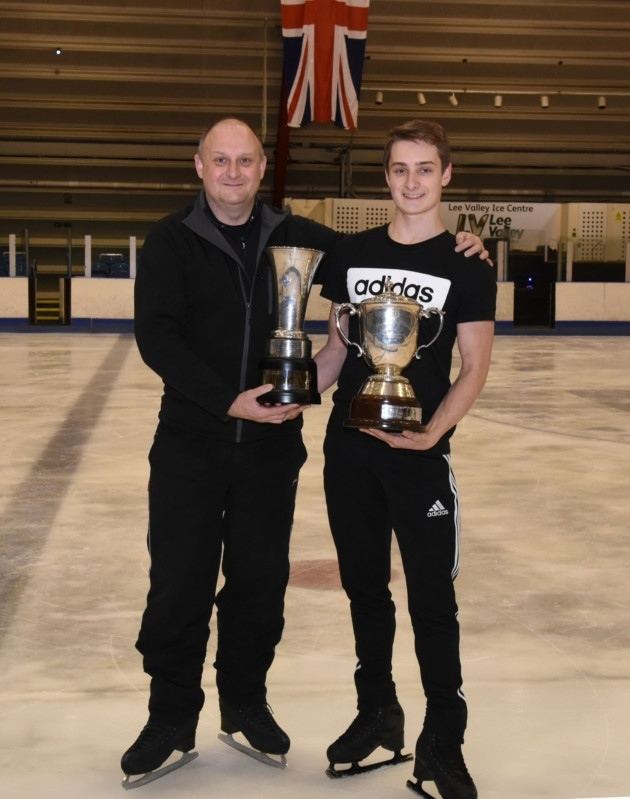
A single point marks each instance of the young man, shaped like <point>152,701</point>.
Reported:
<point>377,481</point>
<point>224,468</point>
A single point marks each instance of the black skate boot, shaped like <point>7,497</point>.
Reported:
<point>440,760</point>
<point>259,727</point>
<point>157,741</point>
<point>383,726</point>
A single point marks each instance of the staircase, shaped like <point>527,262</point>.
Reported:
<point>49,296</point>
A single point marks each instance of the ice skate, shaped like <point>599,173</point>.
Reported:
<point>382,726</point>
<point>440,761</point>
<point>256,723</point>
<point>158,740</point>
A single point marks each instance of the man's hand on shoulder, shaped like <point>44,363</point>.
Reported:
<point>470,244</point>
<point>246,406</point>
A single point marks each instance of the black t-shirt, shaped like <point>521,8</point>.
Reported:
<point>430,272</point>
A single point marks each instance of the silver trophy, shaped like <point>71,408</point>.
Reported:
<point>389,327</point>
<point>287,363</point>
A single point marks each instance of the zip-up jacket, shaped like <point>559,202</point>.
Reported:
<point>201,323</point>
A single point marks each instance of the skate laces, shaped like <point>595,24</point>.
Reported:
<point>152,733</point>
<point>261,714</point>
<point>367,722</point>
<point>450,756</point>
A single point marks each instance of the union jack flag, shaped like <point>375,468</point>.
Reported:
<point>324,46</point>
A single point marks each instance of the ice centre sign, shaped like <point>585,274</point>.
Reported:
<point>526,225</point>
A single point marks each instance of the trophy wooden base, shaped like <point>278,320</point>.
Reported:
<point>294,381</point>
<point>392,414</point>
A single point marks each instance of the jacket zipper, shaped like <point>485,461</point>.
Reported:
<point>246,336</point>
<point>248,308</point>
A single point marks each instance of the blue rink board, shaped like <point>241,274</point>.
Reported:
<point>314,327</point>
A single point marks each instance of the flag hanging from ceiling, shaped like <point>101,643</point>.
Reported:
<point>324,46</point>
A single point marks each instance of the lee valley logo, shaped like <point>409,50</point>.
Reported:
<point>527,225</point>
<point>489,220</point>
<point>485,220</point>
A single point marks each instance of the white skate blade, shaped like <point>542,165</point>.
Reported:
<point>356,768</point>
<point>128,783</point>
<point>262,757</point>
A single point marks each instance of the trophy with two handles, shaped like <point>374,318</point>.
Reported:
<point>389,327</point>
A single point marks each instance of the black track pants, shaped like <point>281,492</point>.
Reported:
<point>208,499</point>
<point>370,490</point>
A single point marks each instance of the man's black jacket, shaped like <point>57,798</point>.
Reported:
<point>201,324</point>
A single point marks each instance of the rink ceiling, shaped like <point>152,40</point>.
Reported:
<point>106,131</point>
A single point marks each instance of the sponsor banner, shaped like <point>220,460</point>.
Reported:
<point>526,225</point>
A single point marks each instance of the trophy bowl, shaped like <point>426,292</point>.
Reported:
<point>389,326</point>
<point>288,364</point>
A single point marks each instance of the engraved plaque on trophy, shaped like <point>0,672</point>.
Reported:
<point>389,326</point>
<point>288,364</point>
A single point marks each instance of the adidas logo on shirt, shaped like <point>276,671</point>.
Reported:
<point>412,291</point>
<point>367,281</point>
<point>437,509</point>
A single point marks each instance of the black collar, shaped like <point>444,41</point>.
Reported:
<point>242,228</point>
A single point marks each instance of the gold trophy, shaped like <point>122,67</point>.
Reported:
<point>389,326</point>
<point>287,363</point>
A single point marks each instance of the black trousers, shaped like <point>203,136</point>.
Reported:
<point>215,504</point>
<point>370,490</point>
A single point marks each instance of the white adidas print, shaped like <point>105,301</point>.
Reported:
<point>369,281</point>
<point>437,509</point>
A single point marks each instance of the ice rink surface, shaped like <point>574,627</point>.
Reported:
<point>543,467</point>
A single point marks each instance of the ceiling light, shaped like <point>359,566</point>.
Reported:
<point>453,99</point>
<point>422,100</point>
<point>601,101</point>
<point>498,100</point>
<point>544,101</point>
<point>378,99</point>
<point>58,51</point>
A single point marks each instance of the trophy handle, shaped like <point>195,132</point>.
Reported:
<point>347,306</point>
<point>426,313</point>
